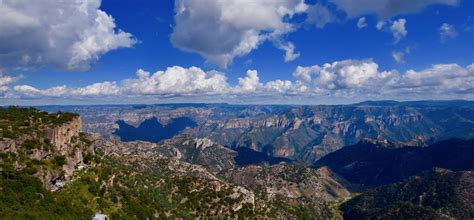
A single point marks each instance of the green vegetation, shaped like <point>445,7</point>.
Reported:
<point>431,196</point>
<point>16,121</point>
<point>23,197</point>
<point>118,189</point>
<point>30,145</point>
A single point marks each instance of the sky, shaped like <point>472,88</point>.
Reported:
<point>235,51</point>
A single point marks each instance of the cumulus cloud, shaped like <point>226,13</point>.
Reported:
<point>250,83</point>
<point>66,34</point>
<point>289,49</point>
<point>362,23</point>
<point>446,32</point>
<point>347,79</point>
<point>342,77</point>
<point>440,80</point>
<point>176,80</point>
<point>101,89</point>
<point>222,30</point>
<point>352,78</point>
<point>398,29</point>
<point>386,9</point>
<point>5,80</point>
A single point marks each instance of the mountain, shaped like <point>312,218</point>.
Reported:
<point>47,146</point>
<point>49,169</point>
<point>152,130</point>
<point>436,194</point>
<point>299,133</point>
<point>374,164</point>
<point>308,133</point>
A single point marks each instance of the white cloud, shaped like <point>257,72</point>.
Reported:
<point>222,30</point>
<point>380,25</point>
<point>5,81</point>
<point>176,80</point>
<point>398,56</point>
<point>304,74</point>
<point>27,90</point>
<point>362,23</point>
<point>386,9</point>
<point>346,79</point>
<point>96,89</point>
<point>242,26</point>
<point>30,91</point>
<point>66,34</point>
<point>398,29</point>
<point>289,49</point>
<point>250,83</point>
<point>362,79</point>
<point>447,31</point>
<point>348,75</point>
<point>280,86</point>
<point>438,81</point>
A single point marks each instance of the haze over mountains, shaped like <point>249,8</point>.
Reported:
<point>300,133</point>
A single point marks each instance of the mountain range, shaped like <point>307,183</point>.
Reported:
<point>384,159</point>
<point>300,133</point>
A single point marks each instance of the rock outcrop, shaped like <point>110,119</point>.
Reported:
<point>61,136</point>
<point>52,148</point>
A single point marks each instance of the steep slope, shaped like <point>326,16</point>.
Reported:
<point>373,165</point>
<point>310,132</point>
<point>300,133</point>
<point>438,194</point>
<point>48,146</point>
<point>290,180</point>
<point>183,177</point>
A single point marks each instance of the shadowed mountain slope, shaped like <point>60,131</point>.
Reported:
<point>373,165</point>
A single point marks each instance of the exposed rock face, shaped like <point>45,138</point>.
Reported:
<point>8,145</point>
<point>292,181</point>
<point>301,133</point>
<point>61,146</point>
<point>61,136</point>
<point>202,151</point>
<point>261,188</point>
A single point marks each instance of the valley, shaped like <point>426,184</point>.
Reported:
<point>225,161</point>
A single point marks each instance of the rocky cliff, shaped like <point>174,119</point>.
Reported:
<point>301,133</point>
<point>257,190</point>
<point>48,146</point>
<point>61,136</point>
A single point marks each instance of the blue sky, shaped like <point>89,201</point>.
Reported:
<point>436,42</point>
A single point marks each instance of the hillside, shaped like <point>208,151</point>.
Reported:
<point>299,133</point>
<point>80,174</point>
<point>47,146</point>
<point>437,194</point>
<point>53,170</point>
<point>374,164</point>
